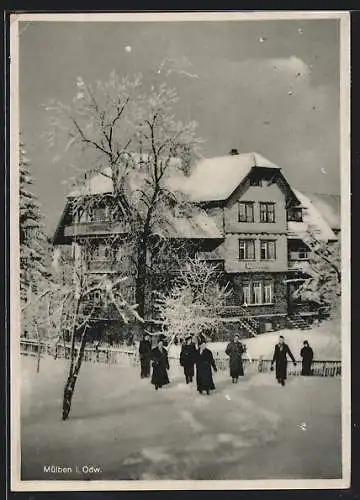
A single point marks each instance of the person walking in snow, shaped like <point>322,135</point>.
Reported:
<point>235,351</point>
<point>205,363</point>
<point>160,364</point>
<point>281,352</point>
<point>187,359</point>
<point>307,355</point>
<point>145,356</point>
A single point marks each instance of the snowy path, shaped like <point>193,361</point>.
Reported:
<point>120,424</point>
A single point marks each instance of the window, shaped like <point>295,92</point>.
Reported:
<point>304,253</point>
<point>100,214</point>
<point>295,215</point>
<point>76,215</point>
<point>246,211</point>
<point>267,212</point>
<point>268,292</point>
<point>255,181</point>
<point>257,299</point>
<point>99,251</point>
<point>246,294</point>
<point>267,250</point>
<point>258,293</point>
<point>246,249</point>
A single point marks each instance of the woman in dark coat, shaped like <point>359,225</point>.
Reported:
<point>281,352</point>
<point>187,359</point>
<point>235,350</point>
<point>145,356</point>
<point>205,363</point>
<point>160,363</point>
<point>307,355</point>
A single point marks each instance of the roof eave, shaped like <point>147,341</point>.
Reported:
<point>59,237</point>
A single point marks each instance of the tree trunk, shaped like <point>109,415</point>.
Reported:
<point>72,378</point>
<point>73,333</point>
<point>38,357</point>
<point>38,349</point>
<point>140,292</point>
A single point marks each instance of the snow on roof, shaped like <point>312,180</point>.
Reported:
<point>199,225</point>
<point>215,179</point>
<point>212,179</point>
<point>101,181</point>
<point>329,207</point>
<point>313,220</point>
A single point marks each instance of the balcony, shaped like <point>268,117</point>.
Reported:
<point>298,260</point>
<point>299,255</point>
<point>96,228</point>
<point>214,255</point>
<point>109,266</point>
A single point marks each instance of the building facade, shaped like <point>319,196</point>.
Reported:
<point>246,218</point>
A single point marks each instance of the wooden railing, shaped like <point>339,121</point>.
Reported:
<point>299,255</point>
<point>96,228</point>
<point>320,368</point>
<point>128,356</point>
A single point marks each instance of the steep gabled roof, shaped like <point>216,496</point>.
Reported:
<point>313,220</point>
<point>212,179</point>
<point>329,205</point>
<point>215,179</point>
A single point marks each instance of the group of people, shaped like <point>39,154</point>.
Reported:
<point>282,351</point>
<point>195,354</point>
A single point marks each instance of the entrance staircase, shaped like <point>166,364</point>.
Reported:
<point>249,323</point>
<point>297,321</point>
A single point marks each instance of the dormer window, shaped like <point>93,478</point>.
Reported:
<point>295,214</point>
<point>255,181</point>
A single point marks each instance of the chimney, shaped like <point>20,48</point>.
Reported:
<point>234,152</point>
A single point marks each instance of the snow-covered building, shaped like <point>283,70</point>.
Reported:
<point>245,217</point>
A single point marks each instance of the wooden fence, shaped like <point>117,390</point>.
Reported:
<point>123,356</point>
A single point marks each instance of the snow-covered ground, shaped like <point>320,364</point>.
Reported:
<point>251,430</point>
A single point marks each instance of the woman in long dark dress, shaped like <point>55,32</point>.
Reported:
<point>187,359</point>
<point>205,363</point>
<point>145,354</point>
<point>235,350</point>
<point>307,355</point>
<point>160,364</point>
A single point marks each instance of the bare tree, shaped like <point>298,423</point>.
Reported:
<point>132,137</point>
